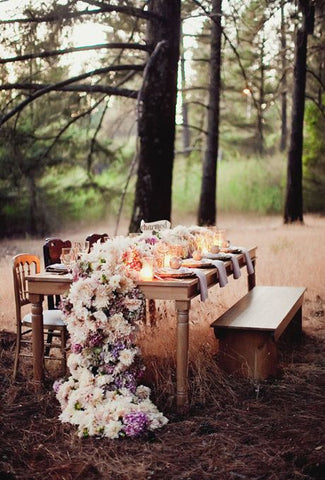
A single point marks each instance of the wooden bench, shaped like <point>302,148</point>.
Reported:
<point>249,331</point>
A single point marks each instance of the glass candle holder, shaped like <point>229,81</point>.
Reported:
<point>146,272</point>
<point>220,238</point>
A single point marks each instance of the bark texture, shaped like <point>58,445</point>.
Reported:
<point>157,105</point>
<point>208,208</point>
<point>293,211</point>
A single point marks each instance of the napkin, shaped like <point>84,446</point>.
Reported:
<point>235,266</point>
<point>57,268</point>
<point>231,256</point>
<point>248,260</point>
<point>202,282</point>
<point>222,274</point>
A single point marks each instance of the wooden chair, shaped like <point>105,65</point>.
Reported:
<point>94,237</point>
<point>53,320</point>
<point>52,249</point>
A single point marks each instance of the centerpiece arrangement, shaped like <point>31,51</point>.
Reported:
<point>104,306</point>
<point>103,310</point>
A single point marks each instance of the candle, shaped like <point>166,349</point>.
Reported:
<point>167,258</point>
<point>146,272</point>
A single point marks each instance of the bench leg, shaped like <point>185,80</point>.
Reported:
<point>293,331</point>
<point>249,354</point>
<point>251,279</point>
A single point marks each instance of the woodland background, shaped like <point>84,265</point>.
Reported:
<point>95,135</point>
<point>79,142</point>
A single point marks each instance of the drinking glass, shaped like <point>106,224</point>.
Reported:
<point>66,257</point>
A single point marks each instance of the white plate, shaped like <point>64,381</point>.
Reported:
<point>175,273</point>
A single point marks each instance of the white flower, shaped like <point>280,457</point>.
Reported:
<point>112,429</point>
<point>101,318</point>
<point>126,356</point>
<point>143,392</point>
<point>115,281</point>
<point>84,398</point>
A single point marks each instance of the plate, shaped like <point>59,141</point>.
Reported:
<point>173,273</point>
<point>218,256</point>
<point>191,263</point>
<point>57,268</point>
<point>231,250</point>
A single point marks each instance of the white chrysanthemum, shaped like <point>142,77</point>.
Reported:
<point>101,298</point>
<point>86,378</point>
<point>119,325</point>
<point>101,318</point>
<point>156,420</point>
<point>73,361</point>
<point>112,429</point>
<point>143,392</point>
<point>102,380</point>
<point>126,356</point>
<point>81,292</point>
<point>115,281</point>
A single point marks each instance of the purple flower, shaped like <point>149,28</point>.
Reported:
<point>116,350</point>
<point>151,240</point>
<point>57,384</point>
<point>95,339</point>
<point>76,348</point>
<point>135,423</point>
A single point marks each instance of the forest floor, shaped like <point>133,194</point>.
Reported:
<point>235,430</point>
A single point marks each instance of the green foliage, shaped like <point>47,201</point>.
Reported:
<point>314,159</point>
<point>244,185</point>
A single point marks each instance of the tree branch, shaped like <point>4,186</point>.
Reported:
<point>50,17</point>
<point>128,10</point>
<point>193,127</point>
<point>70,122</point>
<point>121,92</point>
<point>53,53</point>
<point>317,77</point>
<point>59,85</point>
<point>103,8</point>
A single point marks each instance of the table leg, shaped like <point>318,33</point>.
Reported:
<point>37,338</point>
<point>182,309</point>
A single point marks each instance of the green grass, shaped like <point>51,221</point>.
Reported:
<point>247,185</point>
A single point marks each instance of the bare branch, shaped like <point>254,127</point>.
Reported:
<point>59,85</point>
<point>320,107</point>
<point>53,53</point>
<point>50,18</point>
<point>69,123</point>
<point>103,8</point>
<point>317,77</point>
<point>201,130</point>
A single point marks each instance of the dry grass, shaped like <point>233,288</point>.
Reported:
<point>235,429</point>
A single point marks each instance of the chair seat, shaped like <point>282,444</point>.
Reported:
<point>53,318</point>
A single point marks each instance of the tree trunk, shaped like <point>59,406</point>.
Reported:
<point>283,141</point>
<point>260,115</point>
<point>293,210</point>
<point>208,209</point>
<point>157,121</point>
<point>185,127</point>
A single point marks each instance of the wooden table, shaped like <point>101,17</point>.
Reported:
<point>182,291</point>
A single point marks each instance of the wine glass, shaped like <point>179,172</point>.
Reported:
<point>85,246</point>
<point>77,249</point>
<point>66,257</point>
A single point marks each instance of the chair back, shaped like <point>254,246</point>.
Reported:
<point>52,250</point>
<point>94,237</point>
<point>23,265</point>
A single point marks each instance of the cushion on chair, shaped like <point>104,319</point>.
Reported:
<point>50,317</point>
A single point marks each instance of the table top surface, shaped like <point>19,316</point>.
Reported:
<point>46,283</point>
